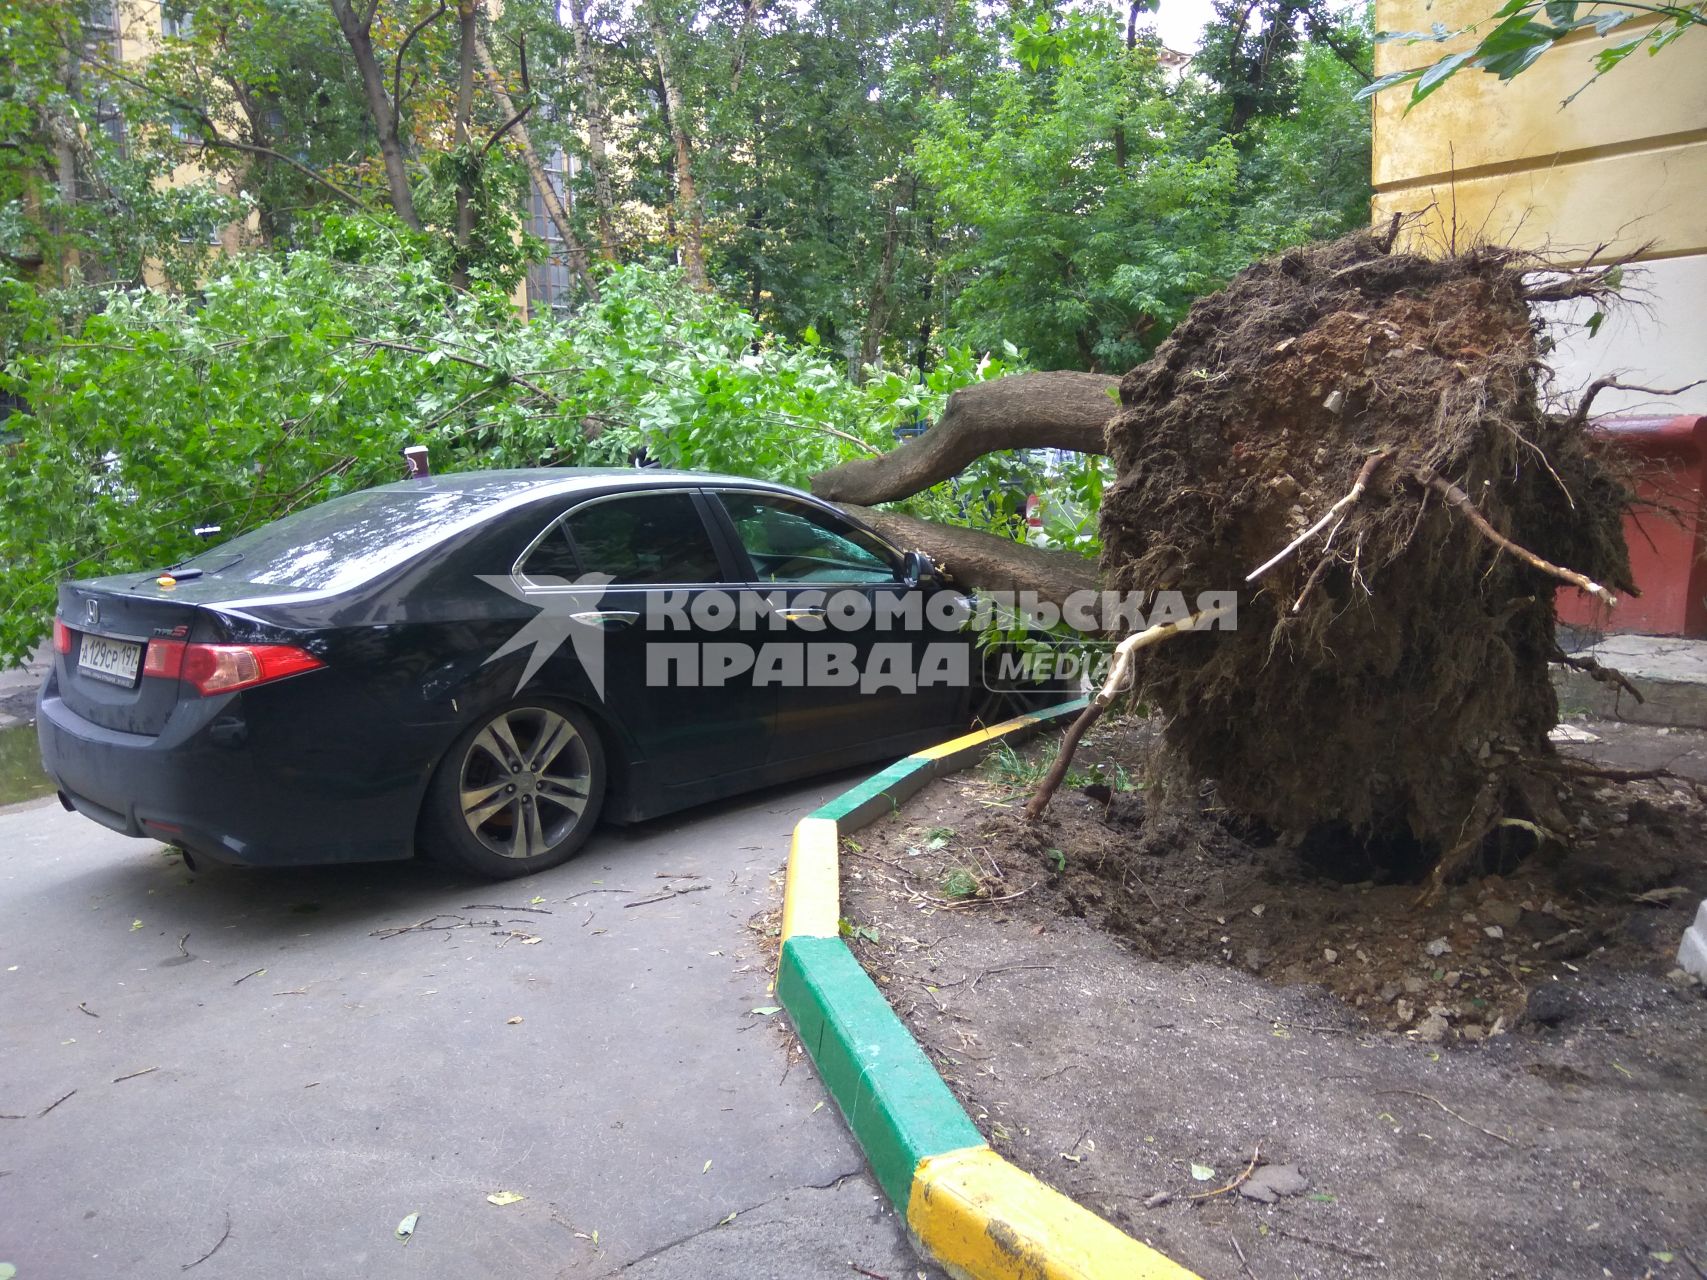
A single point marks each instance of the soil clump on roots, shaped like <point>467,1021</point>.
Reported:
<point>1388,675</point>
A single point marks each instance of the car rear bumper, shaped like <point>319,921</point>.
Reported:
<point>204,784</point>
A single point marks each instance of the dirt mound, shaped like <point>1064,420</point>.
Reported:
<point>1389,676</point>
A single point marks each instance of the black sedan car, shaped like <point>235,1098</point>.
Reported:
<point>482,664</point>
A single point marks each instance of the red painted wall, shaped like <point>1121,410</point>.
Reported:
<point>1664,531</point>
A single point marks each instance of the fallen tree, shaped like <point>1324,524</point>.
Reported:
<point>1355,438</point>
<point>986,561</point>
<point>1060,410</point>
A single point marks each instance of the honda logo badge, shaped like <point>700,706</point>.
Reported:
<point>92,612</point>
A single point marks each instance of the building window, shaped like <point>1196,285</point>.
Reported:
<point>548,281</point>
<point>175,19</point>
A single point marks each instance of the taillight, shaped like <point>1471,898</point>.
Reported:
<point>61,637</point>
<point>225,668</point>
<point>164,658</point>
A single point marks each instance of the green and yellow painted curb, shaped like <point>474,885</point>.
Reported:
<point>977,1215</point>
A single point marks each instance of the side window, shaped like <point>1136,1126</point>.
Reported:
<point>552,560</point>
<point>790,542</point>
<point>649,538</point>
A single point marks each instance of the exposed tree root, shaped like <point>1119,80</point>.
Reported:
<point>1119,672</point>
<point>1595,671</point>
<point>1461,501</point>
<point>1364,475</point>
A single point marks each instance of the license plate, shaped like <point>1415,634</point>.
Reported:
<point>115,661</point>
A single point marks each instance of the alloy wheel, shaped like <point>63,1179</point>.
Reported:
<point>525,782</point>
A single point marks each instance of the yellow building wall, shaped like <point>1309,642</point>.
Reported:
<point>1621,171</point>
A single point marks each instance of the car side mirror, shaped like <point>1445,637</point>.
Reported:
<point>917,570</point>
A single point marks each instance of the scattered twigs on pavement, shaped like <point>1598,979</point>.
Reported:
<point>50,1106</point>
<point>665,897</point>
<point>988,973</point>
<point>1357,490</point>
<point>1117,674</point>
<point>1236,1183</point>
<point>251,974</point>
<point>869,1275</point>
<point>222,1239</point>
<point>1429,1097</point>
<point>493,906</point>
<point>134,1074</point>
<point>961,904</point>
<point>427,926</point>
<point>1457,498</point>
<point>182,949</point>
<point>1243,1264</point>
<point>1357,1255</point>
<point>86,1009</point>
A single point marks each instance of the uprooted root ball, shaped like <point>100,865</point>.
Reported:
<point>1390,676</point>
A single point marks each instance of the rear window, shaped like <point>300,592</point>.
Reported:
<point>649,538</point>
<point>347,540</point>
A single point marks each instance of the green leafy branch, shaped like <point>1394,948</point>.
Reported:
<point>1523,30</point>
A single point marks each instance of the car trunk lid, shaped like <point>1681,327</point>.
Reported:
<point>109,624</point>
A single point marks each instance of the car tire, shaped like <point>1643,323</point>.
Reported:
<point>991,706</point>
<point>519,791</point>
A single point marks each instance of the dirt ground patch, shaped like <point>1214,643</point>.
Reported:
<point>1504,1084</point>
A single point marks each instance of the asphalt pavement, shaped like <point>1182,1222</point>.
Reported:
<point>264,1073</point>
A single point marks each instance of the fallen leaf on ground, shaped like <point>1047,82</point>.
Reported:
<point>728,1220</point>
<point>765,1010</point>
<point>707,1168</point>
<point>501,1198</point>
<point>511,1022</point>
<point>406,1228</point>
<point>1202,1172</point>
<point>135,925</point>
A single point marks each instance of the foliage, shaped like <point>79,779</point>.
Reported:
<point>1097,203</point>
<point>115,218</point>
<point>1513,38</point>
<point>295,377</point>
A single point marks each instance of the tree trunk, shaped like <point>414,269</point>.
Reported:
<point>748,12</point>
<point>987,561</point>
<point>877,312</point>
<point>572,246</point>
<point>687,198</point>
<point>358,32</point>
<point>468,36</point>
<point>1060,410</point>
<point>598,159</point>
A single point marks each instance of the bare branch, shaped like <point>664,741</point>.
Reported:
<point>527,93</point>
<point>397,62</point>
<point>1580,417</point>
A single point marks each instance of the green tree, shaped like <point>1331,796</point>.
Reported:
<point>294,377</point>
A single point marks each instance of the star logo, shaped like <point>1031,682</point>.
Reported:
<point>567,611</point>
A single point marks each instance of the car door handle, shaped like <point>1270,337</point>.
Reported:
<point>608,619</point>
<point>806,611</point>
